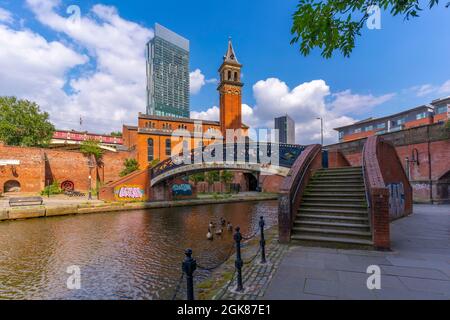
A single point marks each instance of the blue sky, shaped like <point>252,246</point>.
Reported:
<point>403,65</point>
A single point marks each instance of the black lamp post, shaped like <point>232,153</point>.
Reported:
<point>321,130</point>
<point>91,166</point>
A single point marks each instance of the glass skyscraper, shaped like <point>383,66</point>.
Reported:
<point>168,74</point>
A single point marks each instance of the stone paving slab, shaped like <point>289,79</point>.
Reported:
<point>418,267</point>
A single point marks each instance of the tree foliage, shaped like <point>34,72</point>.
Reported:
<point>198,177</point>
<point>117,134</point>
<point>23,124</point>
<point>226,177</point>
<point>334,24</point>
<point>92,148</point>
<point>130,166</point>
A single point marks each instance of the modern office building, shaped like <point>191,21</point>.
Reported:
<point>168,74</point>
<point>437,111</point>
<point>286,128</point>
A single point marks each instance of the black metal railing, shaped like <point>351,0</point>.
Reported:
<point>190,265</point>
<point>287,154</point>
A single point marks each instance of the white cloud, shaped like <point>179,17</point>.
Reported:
<point>107,89</point>
<point>346,102</point>
<point>305,103</point>
<point>430,89</point>
<point>211,114</point>
<point>198,81</point>
<point>445,87</point>
<point>32,67</point>
<point>6,16</point>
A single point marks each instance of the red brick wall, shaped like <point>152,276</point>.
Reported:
<point>39,166</point>
<point>139,178</point>
<point>113,164</point>
<point>270,183</point>
<point>337,160</point>
<point>31,171</point>
<point>405,142</point>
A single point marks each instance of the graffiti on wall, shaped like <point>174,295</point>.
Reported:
<point>184,189</point>
<point>129,193</point>
<point>396,199</point>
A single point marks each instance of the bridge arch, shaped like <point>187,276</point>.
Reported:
<point>242,153</point>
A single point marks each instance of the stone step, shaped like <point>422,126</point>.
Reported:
<point>340,182</point>
<point>342,169</point>
<point>339,175</point>
<point>320,184</point>
<point>339,242</point>
<point>332,218</point>
<point>323,232</point>
<point>332,199</point>
<point>333,225</point>
<point>355,174</point>
<point>333,205</point>
<point>332,211</point>
<point>327,189</point>
<point>321,194</point>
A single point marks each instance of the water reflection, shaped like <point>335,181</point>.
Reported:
<point>129,255</point>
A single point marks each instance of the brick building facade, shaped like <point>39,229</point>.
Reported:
<point>425,156</point>
<point>154,138</point>
<point>438,111</point>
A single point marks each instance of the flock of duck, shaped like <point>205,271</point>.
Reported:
<point>222,224</point>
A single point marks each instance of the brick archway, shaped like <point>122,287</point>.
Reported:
<point>443,188</point>
<point>12,186</point>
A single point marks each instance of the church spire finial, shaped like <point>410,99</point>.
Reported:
<point>230,56</point>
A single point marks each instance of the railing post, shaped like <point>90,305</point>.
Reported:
<point>238,263</point>
<point>263,240</point>
<point>189,266</point>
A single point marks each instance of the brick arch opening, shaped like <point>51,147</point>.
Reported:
<point>443,188</point>
<point>12,186</point>
<point>251,181</point>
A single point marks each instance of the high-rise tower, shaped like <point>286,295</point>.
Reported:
<point>168,74</point>
<point>230,89</point>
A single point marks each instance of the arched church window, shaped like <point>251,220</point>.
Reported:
<point>150,150</point>
<point>168,147</point>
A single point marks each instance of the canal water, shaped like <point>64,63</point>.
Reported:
<point>126,255</point>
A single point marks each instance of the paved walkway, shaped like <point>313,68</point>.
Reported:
<point>255,276</point>
<point>417,268</point>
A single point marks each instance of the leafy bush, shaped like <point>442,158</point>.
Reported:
<point>92,148</point>
<point>52,189</point>
<point>130,165</point>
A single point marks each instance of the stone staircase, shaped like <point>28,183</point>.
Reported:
<point>334,212</point>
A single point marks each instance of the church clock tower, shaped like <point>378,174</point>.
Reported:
<point>230,89</point>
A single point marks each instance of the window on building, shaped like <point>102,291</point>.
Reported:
<point>381,132</point>
<point>381,125</point>
<point>441,109</point>
<point>168,147</point>
<point>368,128</point>
<point>341,134</point>
<point>358,130</point>
<point>150,150</point>
<point>421,116</point>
